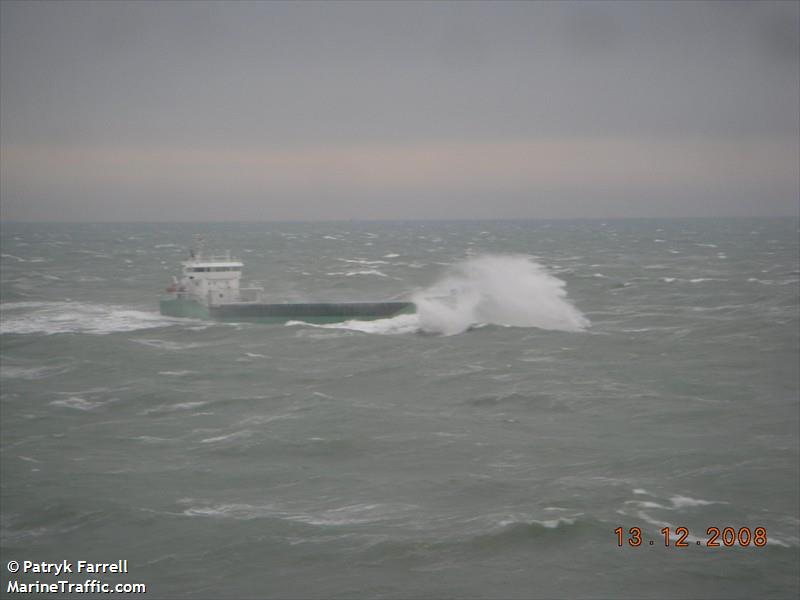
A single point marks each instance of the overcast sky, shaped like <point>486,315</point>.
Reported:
<point>193,111</point>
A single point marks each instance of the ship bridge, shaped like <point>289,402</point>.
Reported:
<point>212,279</point>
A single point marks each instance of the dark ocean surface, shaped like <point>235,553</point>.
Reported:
<point>562,379</point>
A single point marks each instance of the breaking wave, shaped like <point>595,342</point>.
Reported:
<point>511,291</point>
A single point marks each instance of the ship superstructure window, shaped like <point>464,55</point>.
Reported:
<point>213,269</point>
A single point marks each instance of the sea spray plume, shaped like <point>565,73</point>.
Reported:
<point>501,290</point>
<point>508,290</point>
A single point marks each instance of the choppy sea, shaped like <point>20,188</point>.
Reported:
<point>562,379</point>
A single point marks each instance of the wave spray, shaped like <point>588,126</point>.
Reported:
<point>509,290</point>
<point>500,290</point>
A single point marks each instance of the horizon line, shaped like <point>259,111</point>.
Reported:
<point>399,220</point>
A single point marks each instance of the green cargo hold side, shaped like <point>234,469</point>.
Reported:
<point>327,312</point>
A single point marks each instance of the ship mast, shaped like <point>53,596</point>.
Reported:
<point>196,252</point>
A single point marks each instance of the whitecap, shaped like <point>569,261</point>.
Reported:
<point>555,523</point>
<point>30,373</point>
<point>647,504</point>
<point>392,326</point>
<point>231,511</point>
<point>175,407</point>
<point>352,514</point>
<point>149,439</point>
<point>686,501</point>
<point>231,436</point>
<point>168,345</point>
<point>78,403</point>
<point>362,261</point>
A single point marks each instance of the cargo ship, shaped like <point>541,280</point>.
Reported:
<point>209,288</point>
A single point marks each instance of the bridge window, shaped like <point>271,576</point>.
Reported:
<point>213,269</point>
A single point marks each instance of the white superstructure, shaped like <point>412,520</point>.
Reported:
<point>212,280</point>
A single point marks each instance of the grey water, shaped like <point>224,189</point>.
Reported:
<point>579,376</point>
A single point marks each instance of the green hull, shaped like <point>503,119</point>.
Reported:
<point>281,313</point>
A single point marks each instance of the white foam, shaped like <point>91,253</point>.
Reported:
<point>500,290</point>
<point>362,261</point>
<point>230,511</point>
<point>686,501</point>
<point>168,345</point>
<point>175,407</point>
<point>78,403</point>
<point>554,523</point>
<point>150,439</point>
<point>224,438</point>
<point>514,520</point>
<point>30,373</point>
<point>393,326</point>
<point>647,504</point>
<point>361,272</point>
<point>76,317</point>
<point>353,514</point>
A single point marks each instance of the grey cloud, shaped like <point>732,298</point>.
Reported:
<point>270,74</point>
